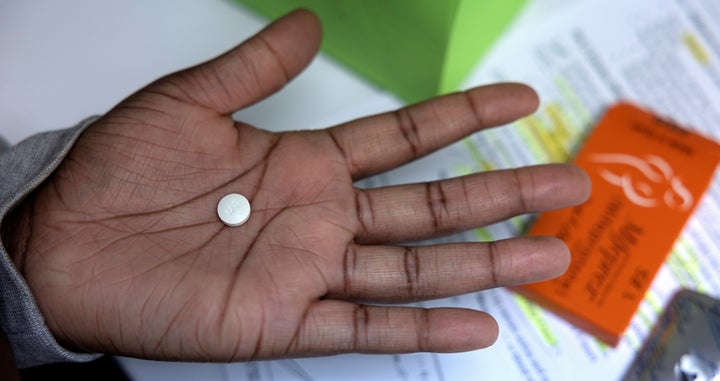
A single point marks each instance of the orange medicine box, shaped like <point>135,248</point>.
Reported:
<point>647,175</point>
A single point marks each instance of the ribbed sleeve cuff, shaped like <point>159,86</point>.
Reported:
<point>24,167</point>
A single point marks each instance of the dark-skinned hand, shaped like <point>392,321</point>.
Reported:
<point>124,252</point>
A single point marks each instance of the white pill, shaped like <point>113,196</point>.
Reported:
<point>233,209</point>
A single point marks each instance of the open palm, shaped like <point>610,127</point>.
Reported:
<point>125,252</point>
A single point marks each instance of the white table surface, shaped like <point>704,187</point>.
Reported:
<point>61,61</point>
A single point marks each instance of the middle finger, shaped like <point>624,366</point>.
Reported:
<point>419,211</point>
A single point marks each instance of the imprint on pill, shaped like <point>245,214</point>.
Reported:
<point>233,209</point>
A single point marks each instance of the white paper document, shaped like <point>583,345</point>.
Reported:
<point>663,55</point>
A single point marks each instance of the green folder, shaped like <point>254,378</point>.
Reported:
<point>414,48</point>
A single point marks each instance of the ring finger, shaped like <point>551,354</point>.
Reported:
<point>404,274</point>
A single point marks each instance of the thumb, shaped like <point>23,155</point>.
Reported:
<point>251,71</point>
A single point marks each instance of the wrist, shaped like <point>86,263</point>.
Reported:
<point>15,231</point>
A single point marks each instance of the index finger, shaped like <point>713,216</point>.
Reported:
<point>378,143</point>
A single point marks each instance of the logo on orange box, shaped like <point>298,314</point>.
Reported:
<point>647,182</point>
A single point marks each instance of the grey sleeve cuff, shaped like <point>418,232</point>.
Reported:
<point>23,167</point>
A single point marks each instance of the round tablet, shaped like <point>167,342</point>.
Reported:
<point>233,209</point>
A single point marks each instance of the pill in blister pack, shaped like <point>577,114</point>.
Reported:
<point>684,344</point>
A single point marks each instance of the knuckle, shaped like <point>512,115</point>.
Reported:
<point>494,257</point>
<point>437,204</point>
<point>411,267</point>
<point>409,129</point>
<point>349,269</point>
<point>524,185</point>
<point>345,150</point>
<point>361,322</point>
<point>365,211</point>
<point>422,329</point>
